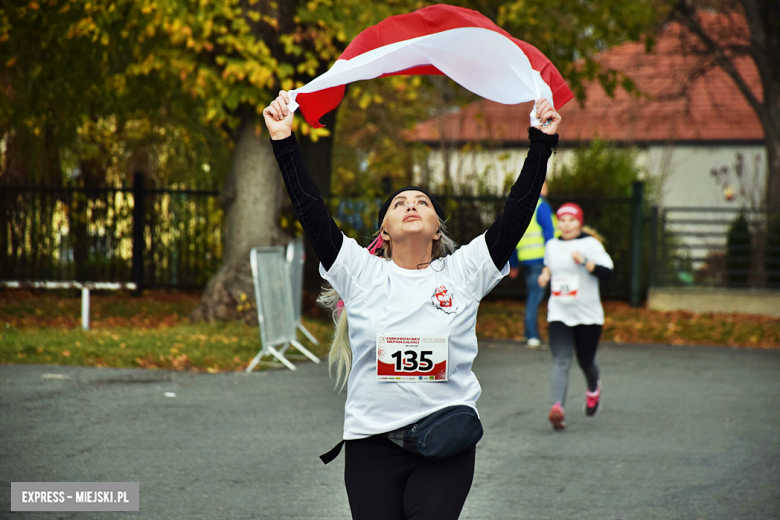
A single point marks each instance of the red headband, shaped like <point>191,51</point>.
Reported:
<point>572,209</point>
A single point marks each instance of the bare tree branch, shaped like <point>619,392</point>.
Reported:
<point>687,16</point>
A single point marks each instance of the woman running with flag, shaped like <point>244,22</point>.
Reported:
<point>410,420</point>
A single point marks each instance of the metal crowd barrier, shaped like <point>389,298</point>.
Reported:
<point>296,258</point>
<point>276,314</point>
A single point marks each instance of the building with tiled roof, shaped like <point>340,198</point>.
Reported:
<point>689,120</point>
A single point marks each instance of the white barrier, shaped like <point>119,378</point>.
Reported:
<point>296,258</point>
<point>84,286</point>
<point>275,307</point>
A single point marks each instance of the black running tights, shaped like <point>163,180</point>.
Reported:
<point>386,482</point>
<point>565,341</point>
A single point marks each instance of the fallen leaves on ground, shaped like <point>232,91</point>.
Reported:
<point>625,324</point>
<point>153,331</point>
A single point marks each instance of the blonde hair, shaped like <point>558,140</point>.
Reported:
<point>595,234</point>
<point>340,354</point>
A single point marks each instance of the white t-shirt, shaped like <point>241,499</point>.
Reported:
<point>380,297</point>
<point>574,292</point>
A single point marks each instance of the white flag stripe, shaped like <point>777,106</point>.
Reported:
<point>482,61</point>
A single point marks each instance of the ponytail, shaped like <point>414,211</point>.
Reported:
<point>340,353</point>
<point>592,232</point>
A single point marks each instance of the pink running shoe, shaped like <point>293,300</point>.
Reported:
<point>556,417</point>
<point>593,401</point>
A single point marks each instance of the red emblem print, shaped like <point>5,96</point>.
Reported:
<point>442,300</point>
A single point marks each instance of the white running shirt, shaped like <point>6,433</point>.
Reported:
<point>568,278</point>
<point>380,297</point>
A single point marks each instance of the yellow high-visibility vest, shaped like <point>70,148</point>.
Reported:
<point>531,246</point>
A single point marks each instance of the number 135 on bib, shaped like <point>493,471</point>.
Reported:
<point>412,358</point>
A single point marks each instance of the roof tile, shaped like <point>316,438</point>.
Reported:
<point>685,97</point>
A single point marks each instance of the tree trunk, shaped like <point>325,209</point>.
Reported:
<point>773,168</point>
<point>92,176</point>
<point>763,18</point>
<point>253,199</point>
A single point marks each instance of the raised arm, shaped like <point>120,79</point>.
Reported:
<point>506,231</point>
<point>308,204</point>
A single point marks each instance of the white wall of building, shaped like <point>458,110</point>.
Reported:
<point>687,179</point>
<point>684,176</point>
<point>684,172</point>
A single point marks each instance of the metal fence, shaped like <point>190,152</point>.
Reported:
<point>173,238</point>
<point>621,221</point>
<point>716,247</point>
<point>153,237</point>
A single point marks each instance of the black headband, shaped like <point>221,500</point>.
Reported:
<point>383,210</point>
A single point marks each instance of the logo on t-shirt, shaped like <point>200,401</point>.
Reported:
<point>442,300</point>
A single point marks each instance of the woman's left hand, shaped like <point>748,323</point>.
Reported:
<point>580,260</point>
<point>545,112</point>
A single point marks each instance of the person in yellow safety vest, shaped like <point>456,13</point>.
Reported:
<point>530,255</point>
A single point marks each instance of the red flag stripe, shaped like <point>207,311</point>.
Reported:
<point>425,22</point>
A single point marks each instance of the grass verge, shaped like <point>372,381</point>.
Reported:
<point>153,331</point>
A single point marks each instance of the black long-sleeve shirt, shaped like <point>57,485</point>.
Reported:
<point>501,237</point>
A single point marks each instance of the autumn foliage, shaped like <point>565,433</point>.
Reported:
<point>624,324</point>
<point>153,331</point>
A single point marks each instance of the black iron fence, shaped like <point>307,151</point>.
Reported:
<point>154,237</point>
<point>716,247</point>
<point>173,238</point>
<point>621,221</point>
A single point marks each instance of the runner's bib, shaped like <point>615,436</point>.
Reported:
<point>406,358</point>
<point>565,288</point>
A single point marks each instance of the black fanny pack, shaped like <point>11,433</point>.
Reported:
<point>442,434</point>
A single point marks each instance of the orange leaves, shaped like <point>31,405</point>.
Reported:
<point>624,324</point>
<point>83,27</point>
<point>234,70</point>
<point>313,133</point>
<point>147,361</point>
<point>181,362</point>
<point>217,338</point>
<point>179,32</point>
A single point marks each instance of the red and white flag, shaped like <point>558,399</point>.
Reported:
<point>441,39</point>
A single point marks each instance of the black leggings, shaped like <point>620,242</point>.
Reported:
<point>385,482</point>
<point>565,341</point>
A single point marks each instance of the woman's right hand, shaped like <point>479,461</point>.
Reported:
<point>544,278</point>
<point>279,118</point>
<point>545,112</point>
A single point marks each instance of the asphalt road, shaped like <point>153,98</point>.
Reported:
<point>684,433</point>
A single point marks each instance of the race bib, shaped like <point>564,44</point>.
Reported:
<point>411,358</point>
<point>565,288</point>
